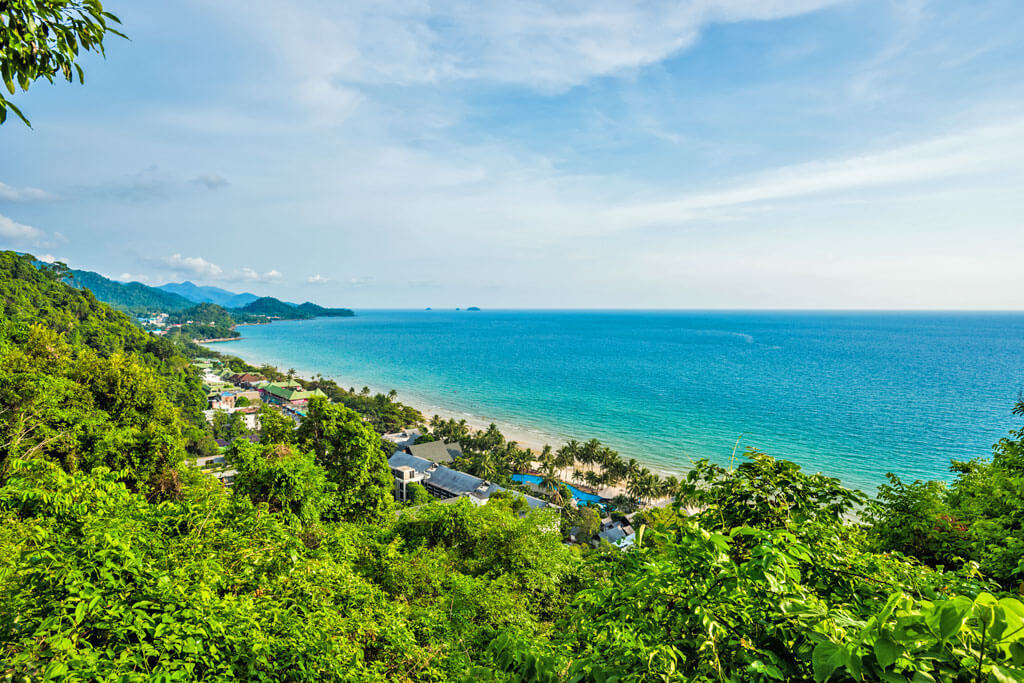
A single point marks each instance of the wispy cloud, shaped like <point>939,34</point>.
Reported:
<point>199,267</point>
<point>981,150</point>
<point>317,279</point>
<point>24,194</point>
<point>250,275</point>
<point>130,277</point>
<point>211,181</point>
<point>542,44</point>
<point>26,235</point>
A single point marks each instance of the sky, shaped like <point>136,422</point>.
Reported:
<point>569,154</point>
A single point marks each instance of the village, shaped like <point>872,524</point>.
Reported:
<point>412,464</point>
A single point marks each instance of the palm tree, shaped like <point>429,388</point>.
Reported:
<point>579,476</point>
<point>392,395</point>
<point>565,458</point>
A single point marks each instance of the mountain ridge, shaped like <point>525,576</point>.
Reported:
<point>205,294</point>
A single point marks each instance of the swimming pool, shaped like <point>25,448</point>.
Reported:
<point>580,496</point>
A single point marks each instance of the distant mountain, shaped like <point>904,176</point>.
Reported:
<point>209,295</point>
<point>319,311</point>
<point>275,308</point>
<point>131,296</point>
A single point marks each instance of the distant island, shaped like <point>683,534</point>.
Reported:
<point>473,308</point>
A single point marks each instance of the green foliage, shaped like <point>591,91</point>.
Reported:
<point>118,563</point>
<point>418,494</point>
<point>282,478</point>
<point>799,596</point>
<point>766,493</point>
<point>381,411</point>
<point>275,426</point>
<point>353,455</point>
<point>978,518</point>
<point>72,406</point>
<point>228,426</point>
<point>133,297</point>
<point>42,39</point>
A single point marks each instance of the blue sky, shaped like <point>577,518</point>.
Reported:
<point>696,154</point>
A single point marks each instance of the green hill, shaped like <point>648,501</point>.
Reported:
<point>319,311</point>
<point>275,308</point>
<point>133,297</point>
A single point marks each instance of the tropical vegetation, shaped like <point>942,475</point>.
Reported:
<point>119,561</point>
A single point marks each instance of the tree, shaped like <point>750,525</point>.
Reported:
<point>285,479</point>
<point>275,426</point>
<point>418,494</point>
<point>353,455</point>
<point>43,38</point>
<point>228,426</point>
<point>979,517</point>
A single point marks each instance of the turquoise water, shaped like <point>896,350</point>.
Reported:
<point>576,493</point>
<point>854,395</point>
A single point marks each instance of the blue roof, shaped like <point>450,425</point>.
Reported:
<point>453,481</point>
<point>613,535</point>
<point>400,459</point>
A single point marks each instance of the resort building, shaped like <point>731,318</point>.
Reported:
<point>436,451</point>
<point>406,437</point>
<point>443,482</point>
<point>619,534</point>
<point>407,469</point>
<point>288,394</point>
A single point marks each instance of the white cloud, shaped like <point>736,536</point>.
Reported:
<point>317,279</point>
<point>50,258</point>
<point>988,149</point>
<point>129,277</point>
<point>23,194</point>
<point>550,45</point>
<point>195,265</point>
<point>252,275</point>
<point>20,233</point>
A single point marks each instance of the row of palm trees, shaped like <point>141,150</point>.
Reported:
<point>490,456</point>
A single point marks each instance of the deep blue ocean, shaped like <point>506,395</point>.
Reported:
<point>854,395</point>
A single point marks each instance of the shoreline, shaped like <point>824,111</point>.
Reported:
<point>532,441</point>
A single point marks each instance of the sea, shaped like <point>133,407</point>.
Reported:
<point>854,395</point>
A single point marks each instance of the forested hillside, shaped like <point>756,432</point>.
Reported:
<point>119,562</point>
<point>275,308</point>
<point>134,297</point>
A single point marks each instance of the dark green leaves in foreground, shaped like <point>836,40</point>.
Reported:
<point>43,39</point>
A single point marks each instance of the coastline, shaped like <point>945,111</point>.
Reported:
<point>532,440</point>
<point>691,389</point>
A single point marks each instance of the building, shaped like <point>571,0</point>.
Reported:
<point>406,437</point>
<point>436,451</point>
<point>407,469</point>
<point>288,394</point>
<point>246,379</point>
<point>619,534</point>
<point>443,482</point>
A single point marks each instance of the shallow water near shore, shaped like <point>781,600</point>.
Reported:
<point>853,395</point>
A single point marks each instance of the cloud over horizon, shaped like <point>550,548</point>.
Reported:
<point>546,154</point>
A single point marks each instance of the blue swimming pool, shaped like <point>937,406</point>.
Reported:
<point>580,496</point>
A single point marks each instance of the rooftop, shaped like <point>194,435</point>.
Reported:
<point>437,451</point>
